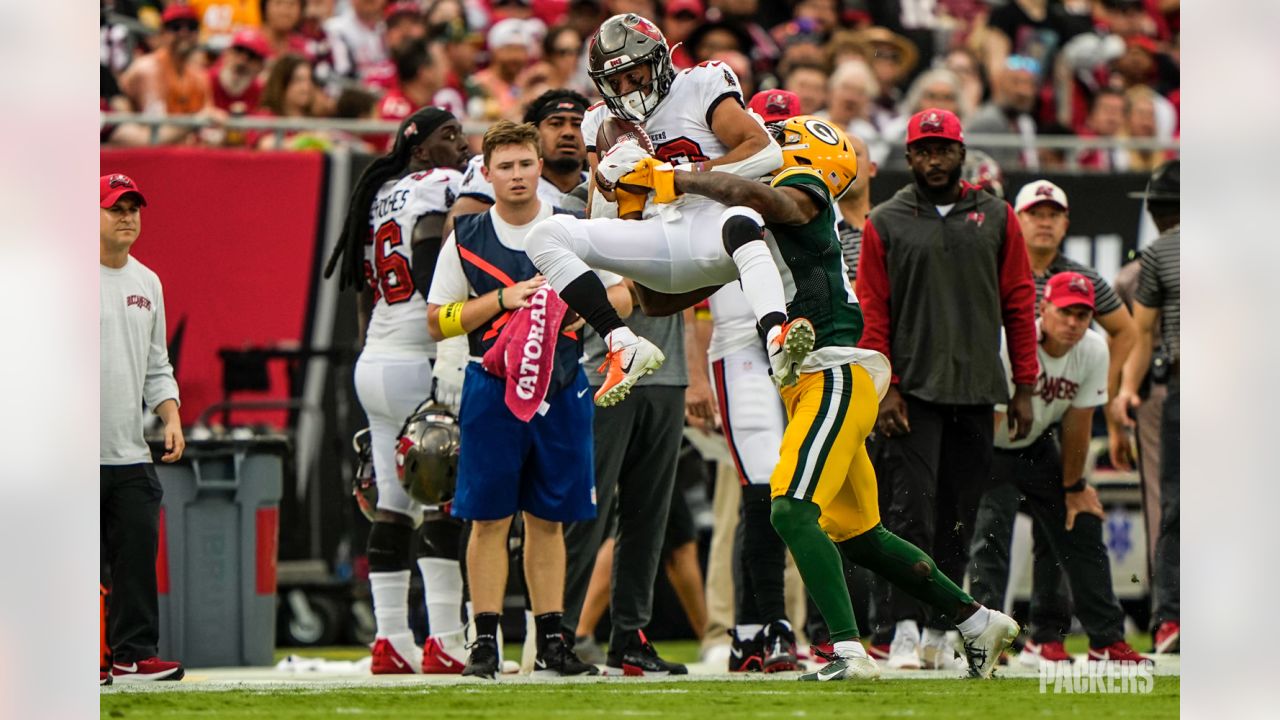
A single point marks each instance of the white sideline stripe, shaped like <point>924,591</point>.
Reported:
<point>815,450</point>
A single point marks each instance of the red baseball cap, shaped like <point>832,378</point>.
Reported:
<point>934,123</point>
<point>176,11</point>
<point>112,187</point>
<point>1068,289</point>
<point>693,6</point>
<point>253,41</point>
<point>775,105</point>
<point>401,7</point>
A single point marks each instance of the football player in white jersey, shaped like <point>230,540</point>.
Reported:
<point>389,244</point>
<point>696,120</point>
<point>558,116</point>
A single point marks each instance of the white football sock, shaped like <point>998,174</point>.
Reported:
<point>975,624</point>
<point>907,628</point>
<point>390,592</point>
<point>442,585</point>
<point>760,281</point>
<point>746,632</point>
<point>850,649</point>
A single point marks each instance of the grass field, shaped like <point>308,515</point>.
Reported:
<point>913,695</point>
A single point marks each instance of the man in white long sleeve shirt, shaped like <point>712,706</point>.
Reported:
<point>136,376</point>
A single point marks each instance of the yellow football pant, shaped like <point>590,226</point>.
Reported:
<point>824,454</point>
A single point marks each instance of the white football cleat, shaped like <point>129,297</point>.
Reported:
<point>623,367</point>
<point>904,651</point>
<point>984,650</point>
<point>788,348</point>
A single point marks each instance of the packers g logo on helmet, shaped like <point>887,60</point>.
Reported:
<point>811,142</point>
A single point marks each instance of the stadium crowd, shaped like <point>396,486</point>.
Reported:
<point>1026,68</point>
<point>883,74</point>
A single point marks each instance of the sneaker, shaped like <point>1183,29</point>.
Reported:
<point>877,652</point>
<point>788,349</point>
<point>779,645</point>
<point>984,650</point>
<point>483,660</point>
<point>1168,637</point>
<point>842,667</point>
<point>904,651</point>
<point>395,656</point>
<point>746,655</point>
<point>148,670</point>
<point>639,659</point>
<point>1119,652</point>
<point>1034,653</point>
<point>819,652</point>
<point>938,651</point>
<point>556,659</point>
<point>436,660</point>
<point>104,677</point>
<point>623,367</point>
<point>589,650</point>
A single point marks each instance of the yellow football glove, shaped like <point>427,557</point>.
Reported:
<point>629,202</point>
<point>655,175</point>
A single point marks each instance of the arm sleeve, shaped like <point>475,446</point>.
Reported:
<point>1093,385</point>
<point>159,384</point>
<point>449,283</point>
<point>873,294</point>
<point>1149,292</point>
<point>1017,302</point>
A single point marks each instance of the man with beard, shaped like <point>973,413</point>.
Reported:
<point>943,268</point>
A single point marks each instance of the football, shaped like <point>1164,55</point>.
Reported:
<point>615,130</point>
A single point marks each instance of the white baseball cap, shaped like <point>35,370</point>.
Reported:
<point>1038,192</point>
<point>511,31</point>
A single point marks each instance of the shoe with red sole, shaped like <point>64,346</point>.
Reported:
<point>1168,637</point>
<point>438,661</point>
<point>1117,652</point>
<point>104,677</point>
<point>638,658</point>
<point>820,652</point>
<point>745,654</point>
<point>149,670</point>
<point>879,652</point>
<point>1034,653</point>
<point>387,660</point>
<point>779,644</point>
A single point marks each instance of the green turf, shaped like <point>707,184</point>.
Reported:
<point>994,700</point>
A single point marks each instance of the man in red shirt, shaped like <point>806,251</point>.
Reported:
<point>943,270</point>
<point>236,81</point>
<point>419,80</point>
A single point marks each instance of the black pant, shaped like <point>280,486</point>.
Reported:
<point>1168,568</point>
<point>130,523</point>
<point>933,478</point>
<point>1036,472</point>
<point>637,445</point>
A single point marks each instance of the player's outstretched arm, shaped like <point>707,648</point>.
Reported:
<point>752,153</point>
<point>785,205</point>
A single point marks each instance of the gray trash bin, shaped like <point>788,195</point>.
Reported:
<point>219,532</point>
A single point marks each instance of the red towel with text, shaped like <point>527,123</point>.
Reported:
<point>525,352</point>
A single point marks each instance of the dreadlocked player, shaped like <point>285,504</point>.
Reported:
<point>390,241</point>
<point>824,489</point>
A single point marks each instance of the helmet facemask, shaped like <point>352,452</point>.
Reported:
<point>622,44</point>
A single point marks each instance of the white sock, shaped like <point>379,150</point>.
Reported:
<point>933,636</point>
<point>850,649</point>
<point>621,338</point>
<point>760,280</point>
<point>907,628</point>
<point>442,585</point>
<point>529,652</point>
<point>746,632</point>
<point>390,592</point>
<point>975,624</point>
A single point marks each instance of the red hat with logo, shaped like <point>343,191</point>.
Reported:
<point>112,187</point>
<point>179,11</point>
<point>775,105</point>
<point>252,41</point>
<point>934,123</point>
<point>1068,289</point>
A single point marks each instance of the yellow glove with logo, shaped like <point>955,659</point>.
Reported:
<point>630,202</point>
<point>657,176</point>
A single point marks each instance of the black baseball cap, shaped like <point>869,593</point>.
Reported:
<point>1163,185</point>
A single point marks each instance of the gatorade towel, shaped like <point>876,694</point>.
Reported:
<point>525,351</point>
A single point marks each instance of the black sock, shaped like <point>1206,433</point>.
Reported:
<point>547,625</point>
<point>487,627</point>
<point>587,297</point>
<point>769,322</point>
<point>765,555</point>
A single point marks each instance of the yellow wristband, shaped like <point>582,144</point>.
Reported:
<point>451,320</point>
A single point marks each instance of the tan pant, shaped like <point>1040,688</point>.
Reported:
<point>720,593</point>
<point>1149,413</point>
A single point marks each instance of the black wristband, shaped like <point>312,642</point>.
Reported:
<point>1079,486</point>
<point>500,306</point>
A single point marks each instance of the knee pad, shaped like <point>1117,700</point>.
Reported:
<point>441,538</point>
<point>389,547</point>
<point>738,229</point>
<point>789,515</point>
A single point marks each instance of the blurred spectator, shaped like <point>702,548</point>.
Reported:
<point>405,23</point>
<point>1125,18</point>
<point>236,81</point>
<point>171,79</point>
<point>497,96</point>
<point>822,13</point>
<point>280,22</point>
<point>420,83</point>
<point>892,58</point>
<point>851,90</point>
<point>358,48</point>
<point>289,92</point>
<point>844,46</point>
<point>938,88</point>
<point>1106,120</point>
<point>679,21</point>
<point>800,50</point>
<point>585,16</point>
<point>1032,28</point>
<point>1013,96</point>
<point>1141,105</point>
<point>981,170</point>
<point>442,12</point>
<point>459,48</point>
<point>740,64</point>
<point>220,19</point>
<point>561,51</point>
<point>715,37</point>
<point>356,103</point>
<point>809,82</point>
<point>745,14</point>
<point>973,85</point>
<point>315,41</point>
<point>503,9</point>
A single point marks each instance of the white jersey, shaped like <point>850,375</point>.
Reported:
<point>1075,380</point>
<point>475,185</point>
<point>399,322</point>
<point>733,324</point>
